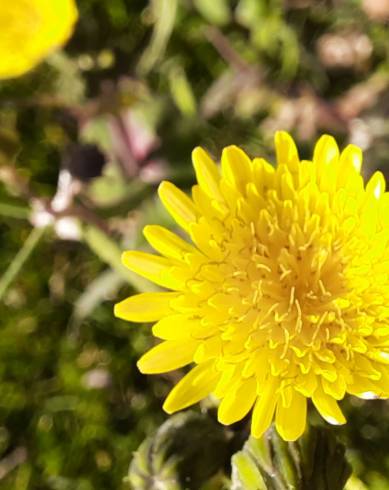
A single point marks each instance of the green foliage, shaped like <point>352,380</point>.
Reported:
<point>147,81</point>
<point>316,461</point>
<point>173,458</point>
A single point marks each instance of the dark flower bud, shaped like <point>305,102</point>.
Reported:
<point>84,161</point>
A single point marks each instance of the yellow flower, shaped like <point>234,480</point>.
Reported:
<point>30,30</point>
<point>281,296</point>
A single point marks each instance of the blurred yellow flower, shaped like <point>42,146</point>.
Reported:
<point>283,293</point>
<point>30,30</point>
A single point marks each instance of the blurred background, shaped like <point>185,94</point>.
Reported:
<point>85,139</point>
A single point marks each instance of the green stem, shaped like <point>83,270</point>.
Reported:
<point>12,211</point>
<point>19,260</point>
<point>108,251</point>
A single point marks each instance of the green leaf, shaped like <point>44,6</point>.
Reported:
<point>14,211</point>
<point>69,84</point>
<point>184,453</point>
<point>182,91</point>
<point>108,251</point>
<point>106,284</point>
<point>19,260</point>
<point>317,461</point>
<point>245,473</point>
<point>164,14</point>
<point>216,11</point>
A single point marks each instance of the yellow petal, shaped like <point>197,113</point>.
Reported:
<point>328,407</point>
<point>31,30</point>
<point>263,175</point>
<point>145,307</point>
<point>236,167</point>
<point>227,378</point>
<point>337,388</point>
<point>238,401</point>
<point>366,389</point>
<point>203,237</point>
<point>350,158</point>
<point>192,388</point>
<point>207,173</point>
<point>286,150</point>
<point>264,408</point>
<point>291,420</point>
<point>178,204</point>
<point>174,327</point>
<point>209,349</point>
<point>376,185</point>
<point>167,243</point>
<point>153,267</point>
<point>167,356</point>
<point>207,207</point>
<point>326,152</point>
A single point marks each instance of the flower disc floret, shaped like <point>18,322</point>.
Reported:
<point>281,293</point>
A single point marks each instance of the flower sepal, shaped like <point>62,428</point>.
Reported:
<point>316,461</point>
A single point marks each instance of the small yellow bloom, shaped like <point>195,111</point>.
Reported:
<point>282,293</point>
<point>30,30</point>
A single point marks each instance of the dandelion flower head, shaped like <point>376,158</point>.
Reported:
<point>279,295</point>
<point>30,30</point>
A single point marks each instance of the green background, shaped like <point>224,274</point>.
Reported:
<point>170,75</point>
